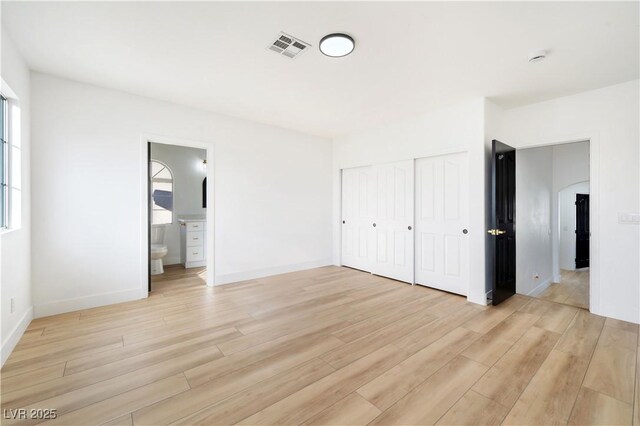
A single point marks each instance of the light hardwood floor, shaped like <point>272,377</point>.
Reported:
<point>573,289</point>
<point>324,346</point>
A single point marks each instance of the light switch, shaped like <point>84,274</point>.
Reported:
<point>629,218</point>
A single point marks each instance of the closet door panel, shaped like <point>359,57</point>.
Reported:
<point>442,214</point>
<point>393,220</point>
<point>356,214</point>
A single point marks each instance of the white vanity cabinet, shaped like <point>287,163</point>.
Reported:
<point>192,242</point>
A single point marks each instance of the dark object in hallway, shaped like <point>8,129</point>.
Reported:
<point>582,231</point>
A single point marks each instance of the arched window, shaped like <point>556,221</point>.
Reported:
<point>161,193</point>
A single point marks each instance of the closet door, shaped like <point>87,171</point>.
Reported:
<point>442,253</point>
<point>357,191</point>
<point>392,223</point>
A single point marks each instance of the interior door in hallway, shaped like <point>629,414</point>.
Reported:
<point>582,231</point>
<point>392,222</point>
<point>357,211</point>
<point>442,250</point>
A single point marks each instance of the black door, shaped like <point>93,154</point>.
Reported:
<point>503,220</point>
<point>582,231</point>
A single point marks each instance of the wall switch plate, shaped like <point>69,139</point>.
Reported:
<point>629,218</point>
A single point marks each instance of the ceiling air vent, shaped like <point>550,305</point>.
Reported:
<point>288,46</point>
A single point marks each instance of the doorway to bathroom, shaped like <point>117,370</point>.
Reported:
<point>179,236</point>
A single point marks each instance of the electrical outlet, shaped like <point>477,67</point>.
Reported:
<point>12,305</point>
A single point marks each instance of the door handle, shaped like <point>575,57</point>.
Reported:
<point>496,231</point>
<point>374,225</point>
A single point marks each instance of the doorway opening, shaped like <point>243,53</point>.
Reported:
<point>552,201</point>
<point>179,240</point>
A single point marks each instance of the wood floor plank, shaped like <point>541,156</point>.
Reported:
<point>84,396</point>
<point>246,341</point>
<point>551,394</point>
<point>285,344</point>
<point>357,349</point>
<point>68,383</point>
<point>207,393</point>
<point>491,317</point>
<point>124,403</point>
<point>623,325</point>
<point>257,397</point>
<point>125,420</point>
<point>612,368</point>
<point>351,410</point>
<point>557,318</point>
<point>594,408</point>
<point>474,409</point>
<point>505,381</point>
<point>490,347</point>
<point>306,403</point>
<point>429,333</point>
<point>391,386</point>
<point>582,335</point>
<point>213,335</point>
<point>429,401</point>
<point>636,402</point>
<point>41,375</point>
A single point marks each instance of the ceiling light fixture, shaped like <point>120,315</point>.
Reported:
<point>337,45</point>
<point>537,56</point>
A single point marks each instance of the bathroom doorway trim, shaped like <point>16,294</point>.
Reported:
<point>145,218</point>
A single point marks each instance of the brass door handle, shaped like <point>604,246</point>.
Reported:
<point>496,231</point>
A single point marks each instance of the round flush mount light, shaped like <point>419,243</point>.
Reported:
<point>537,56</point>
<point>337,45</point>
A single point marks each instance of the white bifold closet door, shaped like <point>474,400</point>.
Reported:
<point>392,245</point>
<point>357,211</point>
<point>377,219</point>
<point>442,253</point>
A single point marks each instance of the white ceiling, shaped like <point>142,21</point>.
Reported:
<point>409,58</point>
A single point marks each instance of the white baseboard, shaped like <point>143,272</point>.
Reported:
<point>540,287</point>
<point>14,336</point>
<point>85,302</point>
<point>267,272</point>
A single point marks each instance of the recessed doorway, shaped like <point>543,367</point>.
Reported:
<point>552,201</point>
<point>178,219</point>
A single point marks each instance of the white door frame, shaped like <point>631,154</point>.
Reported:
<point>145,139</point>
<point>594,207</point>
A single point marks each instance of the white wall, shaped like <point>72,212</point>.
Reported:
<point>188,172</point>
<point>609,117</point>
<point>534,187</point>
<point>272,193</point>
<point>567,224</point>
<point>15,265</point>
<point>454,129</point>
<point>570,165</point>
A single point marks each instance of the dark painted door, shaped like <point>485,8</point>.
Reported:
<point>582,231</point>
<point>503,220</point>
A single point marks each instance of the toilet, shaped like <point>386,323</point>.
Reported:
<point>158,249</point>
